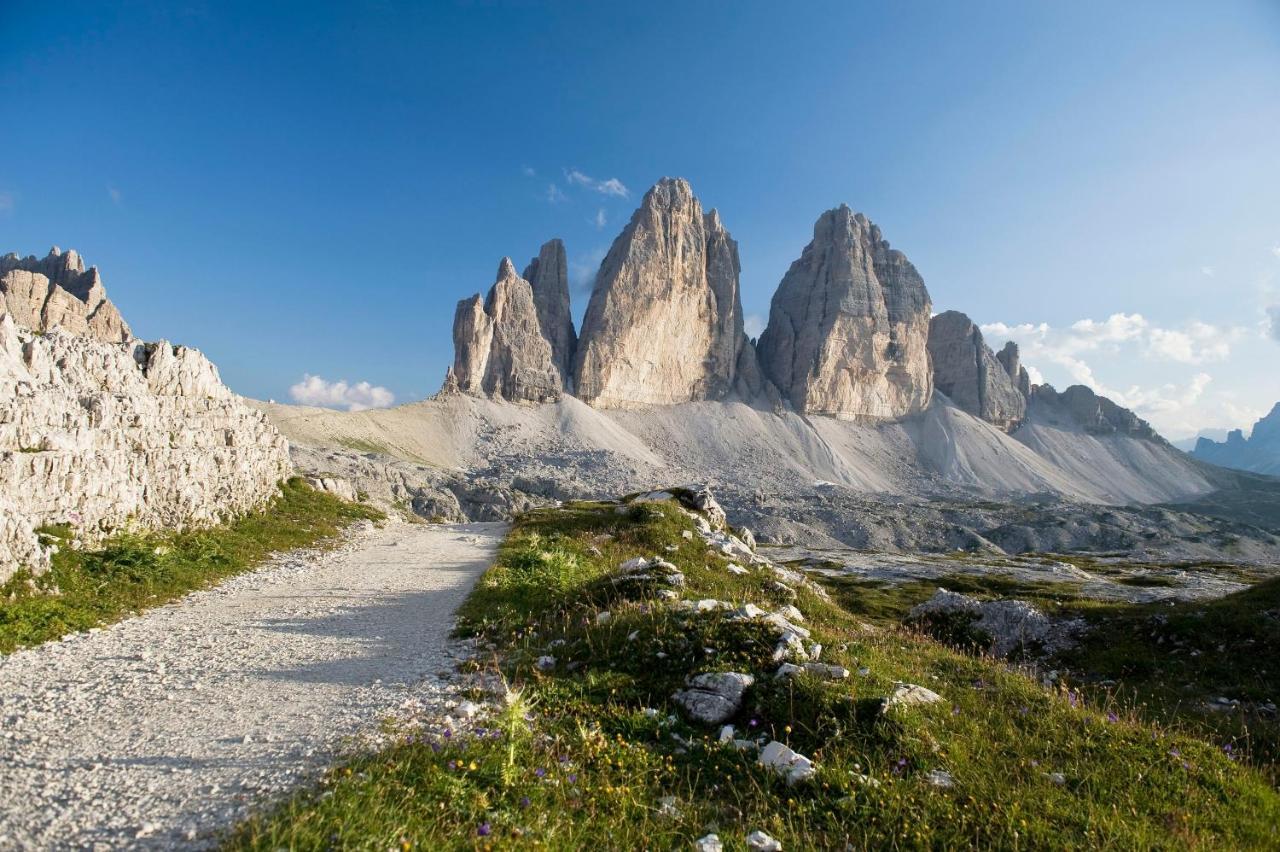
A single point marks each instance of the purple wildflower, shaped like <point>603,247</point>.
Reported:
<point>540,772</point>
<point>484,829</point>
<point>1113,718</point>
<point>524,801</point>
<point>573,778</point>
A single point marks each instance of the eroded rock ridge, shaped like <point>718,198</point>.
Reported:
<point>973,377</point>
<point>58,292</point>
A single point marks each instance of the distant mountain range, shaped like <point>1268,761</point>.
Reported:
<point>1260,452</point>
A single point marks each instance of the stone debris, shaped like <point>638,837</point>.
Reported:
<point>715,696</point>
<point>736,569</point>
<point>708,843</point>
<point>758,841</point>
<point>910,695</point>
<point>791,765</point>
<point>940,778</point>
<point>828,671</point>
<point>1009,626</point>
<point>546,663</point>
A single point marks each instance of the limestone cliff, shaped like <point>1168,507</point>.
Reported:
<point>102,435</point>
<point>1011,359</point>
<point>848,326</point>
<point>500,348</point>
<point>1260,452</point>
<point>1097,415</point>
<point>548,275</point>
<point>968,373</point>
<point>58,292</point>
<point>664,324</point>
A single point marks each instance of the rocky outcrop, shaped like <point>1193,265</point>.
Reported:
<point>1011,359</point>
<point>1097,415</point>
<point>1260,452</point>
<point>664,324</point>
<point>848,327</point>
<point>968,373</point>
<point>102,435</point>
<point>548,275</point>
<point>58,292</point>
<point>500,348</point>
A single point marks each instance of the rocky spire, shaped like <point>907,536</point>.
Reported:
<point>499,346</point>
<point>968,373</point>
<point>1011,360</point>
<point>58,291</point>
<point>664,324</point>
<point>848,326</point>
<point>548,275</point>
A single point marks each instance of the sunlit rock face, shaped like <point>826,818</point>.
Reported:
<point>58,292</point>
<point>973,377</point>
<point>849,325</point>
<point>664,324</point>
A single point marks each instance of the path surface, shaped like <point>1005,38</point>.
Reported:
<point>163,729</point>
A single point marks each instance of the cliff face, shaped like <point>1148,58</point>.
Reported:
<point>973,377</point>
<point>1095,414</point>
<point>849,325</point>
<point>664,324</point>
<point>99,435</point>
<point>548,275</point>
<point>57,292</point>
<point>1260,452</point>
<point>500,346</point>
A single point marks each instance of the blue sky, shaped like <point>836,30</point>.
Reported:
<point>308,189</point>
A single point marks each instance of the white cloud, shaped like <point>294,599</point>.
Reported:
<point>600,220</point>
<point>1206,270</point>
<point>1276,250</point>
<point>1273,321</point>
<point>753,325</point>
<point>7,202</point>
<point>114,192</point>
<point>528,171</point>
<point>313,390</point>
<point>1195,343</point>
<point>554,195</point>
<point>612,186</point>
<point>583,269</point>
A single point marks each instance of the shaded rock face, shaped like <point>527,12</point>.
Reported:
<point>1260,452</point>
<point>664,324</point>
<point>58,292</point>
<point>500,349</point>
<point>849,325</point>
<point>1097,415</point>
<point>968,373</point>
<point>1011,359</point>
<point>100,435</point>
<point>548,275</point>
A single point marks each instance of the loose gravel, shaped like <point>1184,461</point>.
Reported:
<point>166,729</point>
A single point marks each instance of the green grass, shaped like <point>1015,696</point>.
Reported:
<point>130,572</point>
<point>577,762</point>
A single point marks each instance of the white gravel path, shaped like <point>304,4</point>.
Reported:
<point>164,729</point>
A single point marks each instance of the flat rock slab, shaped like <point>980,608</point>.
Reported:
<point>165,729</point>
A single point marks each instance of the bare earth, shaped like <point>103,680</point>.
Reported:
<point>163,729</point>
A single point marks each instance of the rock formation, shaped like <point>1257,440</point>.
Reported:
<point>500,348</point>
<point>102,435</point>
<point>1011,359</point>
<point>968,373</point>
<point>58,292</point>
<point>664,324</point>
<point>1260,452</point>
<point>548,275</point>
<point>848,326</point>
<point>1095,414</point>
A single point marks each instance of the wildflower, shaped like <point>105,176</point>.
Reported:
<point>573,778</point>
<point>447,733</point>
<point>1173,752</point>
<point>540,772</point>
<point>472,767</point>
<point>955,709</point>
<point>484,829</point>
<point>754,722</point>
<point>453,764</point>
<point>524,801</point>
<point>1113,718</point>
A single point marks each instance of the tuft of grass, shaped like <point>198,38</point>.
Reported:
<point>131,572</point>
<point>599,743</point>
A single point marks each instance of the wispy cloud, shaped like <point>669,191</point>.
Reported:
<point>1207,271</point>
<point>612,186</point>
<point>600,219</point>
<point>114,193</point>
<point>584,267</point>
<point>1273,321</point>
<point>313,390</point>
<point>528,171</point>
<point>7,202</point>
<point>753,325</point>
<point>1194,343</point>
<point>554,194</point>
<point>1275,250</point>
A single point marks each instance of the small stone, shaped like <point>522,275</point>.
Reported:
<point>734,568</point>
<point>908,694</point>
<point>546,663</point>
<point>791,765</point>
<point>940,778</point>
<point>715,696</point>
<point>708,843</point>
<point>604,617</point>
<point>758,841</point>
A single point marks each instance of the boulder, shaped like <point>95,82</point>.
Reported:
<point>910,695</point>
<point>714,697</point>
<point>848,327</point>
<point>968,373</point>
<point>664,324</point>
<point>1002,627</point>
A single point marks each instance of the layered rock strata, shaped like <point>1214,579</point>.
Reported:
<point>500,348</point>
<point>102,435</point>
<point>58,292</point>
<point>968,373</point>
<point>664,324</point>
<point>849,325</point>
<point>1096,415</point>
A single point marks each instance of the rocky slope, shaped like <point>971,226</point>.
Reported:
<point>499,345</point>
<point>1260,452</point>
<point>848,326</point>
<point>58,292</point>
<point>664,324</point>
<point>102,434</point>
<point>968,373</point>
